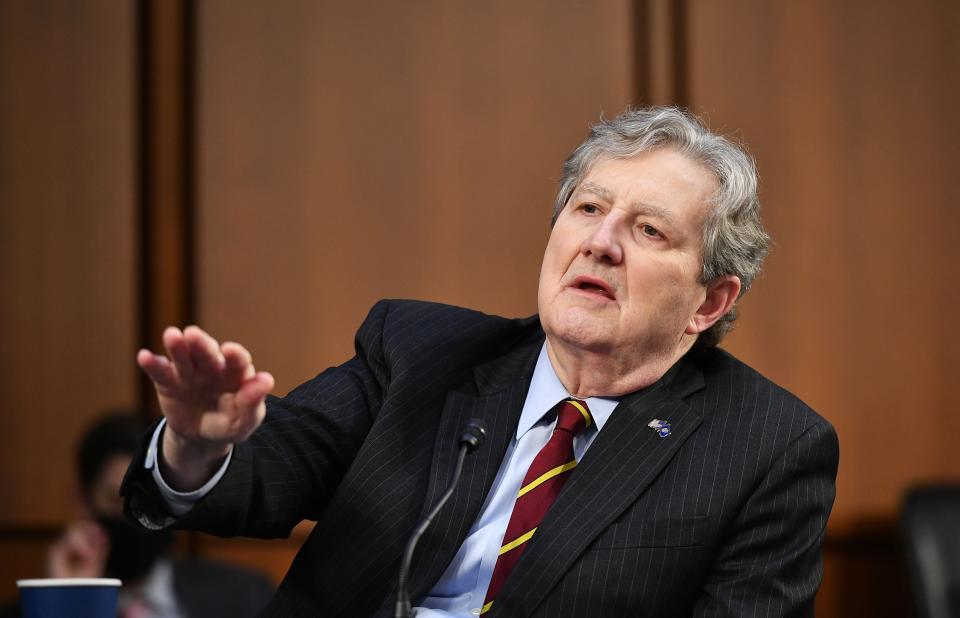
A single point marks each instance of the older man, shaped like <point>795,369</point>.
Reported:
<point>631,468</point>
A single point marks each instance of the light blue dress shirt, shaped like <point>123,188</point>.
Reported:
<point>460,591</point>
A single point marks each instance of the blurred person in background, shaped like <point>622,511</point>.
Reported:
<point>101,543</point>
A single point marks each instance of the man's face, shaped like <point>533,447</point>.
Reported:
<point>620,272</point>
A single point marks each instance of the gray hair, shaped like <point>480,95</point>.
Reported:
<point>734,241</point>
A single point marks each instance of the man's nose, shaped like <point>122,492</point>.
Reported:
<point>604,242</point>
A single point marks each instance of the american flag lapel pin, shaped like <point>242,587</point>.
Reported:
<point>661,427</point>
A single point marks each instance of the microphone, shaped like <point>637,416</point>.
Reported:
<point>471,437</point>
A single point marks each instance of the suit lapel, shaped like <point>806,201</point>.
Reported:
<point>496,399</point>
<point>621,463</point>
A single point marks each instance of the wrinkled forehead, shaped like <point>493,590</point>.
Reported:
<point>667,176</point>
<point>686,155</point>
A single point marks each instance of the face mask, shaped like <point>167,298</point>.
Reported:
<point>132,550</point>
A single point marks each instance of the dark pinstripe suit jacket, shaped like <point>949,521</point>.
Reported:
<point>724,517</point>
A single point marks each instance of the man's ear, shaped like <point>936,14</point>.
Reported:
<point>721,295</point>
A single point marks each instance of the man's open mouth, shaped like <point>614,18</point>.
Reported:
<point>593,285</point>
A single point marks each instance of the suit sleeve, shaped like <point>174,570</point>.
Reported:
<point>291,465</point>
<point>770,563</point>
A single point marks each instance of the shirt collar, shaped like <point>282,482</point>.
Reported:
<point>546,391</point>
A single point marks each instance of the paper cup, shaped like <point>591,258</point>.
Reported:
<point>74,597</point>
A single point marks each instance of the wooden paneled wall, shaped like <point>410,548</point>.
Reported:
<point>330,154</point>
<point>68,246</point>
<point>67,240</point>
<point>409,151</point>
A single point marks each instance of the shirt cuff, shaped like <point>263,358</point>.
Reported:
<point>179,502</point>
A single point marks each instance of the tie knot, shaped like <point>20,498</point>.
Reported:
<point>573,416</point>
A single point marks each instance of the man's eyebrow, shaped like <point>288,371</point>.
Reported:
<point>599,191</point>
<point>654,211</point>
<point>642,208</point>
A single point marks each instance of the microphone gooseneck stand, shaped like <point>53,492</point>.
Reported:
<point>471,437</point>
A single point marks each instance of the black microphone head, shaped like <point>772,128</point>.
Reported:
<point>473,435</point>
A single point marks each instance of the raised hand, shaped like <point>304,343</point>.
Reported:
<point>211,396</point>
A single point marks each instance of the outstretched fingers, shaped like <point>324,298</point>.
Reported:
<point>158,368</point>
<point>204,352</point>
<point>178,351</point>
<point>238,365</point>
<point>209,393</point>
<point>193,360</point>
<point>243,411</point>
<point>255,390</point>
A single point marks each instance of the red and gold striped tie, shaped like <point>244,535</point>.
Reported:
<point>540,487</point>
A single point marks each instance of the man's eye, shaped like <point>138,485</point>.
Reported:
<point>590,209</point>
<point>649,230</point>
